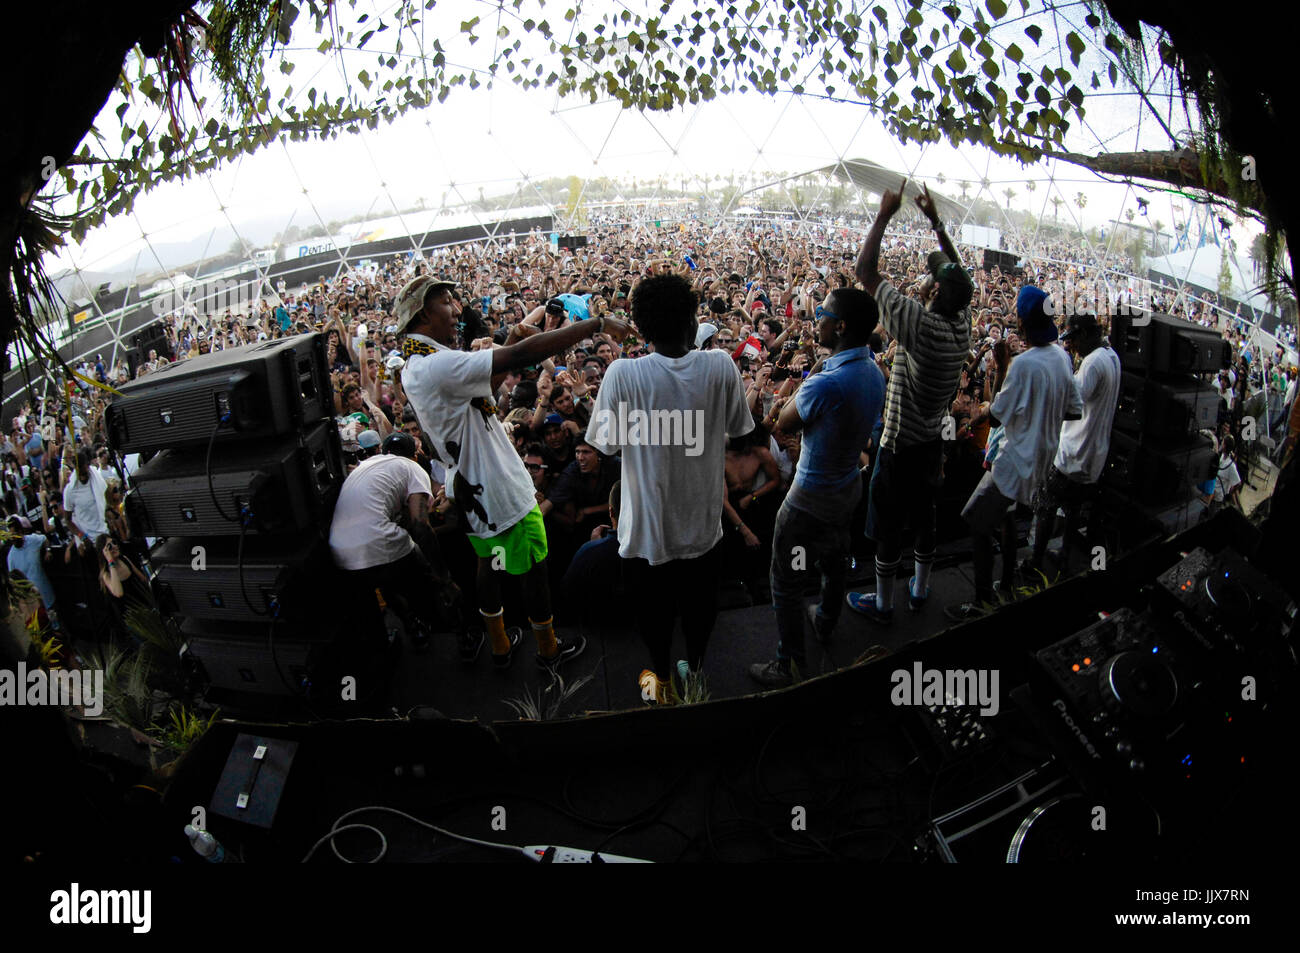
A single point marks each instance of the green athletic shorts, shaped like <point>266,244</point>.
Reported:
<point>519,548</point>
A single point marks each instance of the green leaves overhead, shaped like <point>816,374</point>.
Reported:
<point>928,71</point>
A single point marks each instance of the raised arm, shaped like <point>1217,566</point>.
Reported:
<point>867,268</point>
<point>536,349</point>
<point>927,206</point>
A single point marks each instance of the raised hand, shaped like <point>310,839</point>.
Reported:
<point>926,203</point>
<point>891,202</point>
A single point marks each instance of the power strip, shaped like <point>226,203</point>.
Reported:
<point>546,854</point>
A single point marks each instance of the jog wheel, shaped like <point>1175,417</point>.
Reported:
<point>1142,684</point>
<point>1231,600</point>
<point>1064,831</point>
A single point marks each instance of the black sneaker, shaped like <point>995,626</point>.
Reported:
<point>514,634</point>
<point>568,650</point>
<point>771,674</point>
<point>471,643</point>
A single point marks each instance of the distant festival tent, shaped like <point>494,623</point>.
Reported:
<point>876,179</point>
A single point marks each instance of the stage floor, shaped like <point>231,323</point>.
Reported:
<point>615,657</point>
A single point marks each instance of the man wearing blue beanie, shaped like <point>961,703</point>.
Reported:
<point>1039,393</point>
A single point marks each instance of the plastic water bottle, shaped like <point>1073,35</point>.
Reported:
<point>205,845</point>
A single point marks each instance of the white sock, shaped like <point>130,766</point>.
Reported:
<point>885,573</point>
<point>924,563</point>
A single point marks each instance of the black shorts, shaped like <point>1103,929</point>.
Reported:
<point>903,489</point>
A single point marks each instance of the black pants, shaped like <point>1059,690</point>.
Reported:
<point>409,587</point>
<point>685,587</point>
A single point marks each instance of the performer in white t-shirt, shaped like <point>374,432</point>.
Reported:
<point>1039,394</point>
<point>1081,454</point>
<point>382,509</point>
<point>670,414</point>
<point>452,392</point>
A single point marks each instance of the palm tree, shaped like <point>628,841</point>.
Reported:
<point>1057,202</point>
<point>965,187</point>
<point>1010,193</point>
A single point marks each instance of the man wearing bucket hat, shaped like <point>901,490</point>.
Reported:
<point>451,392</point>
<point>1039,394</point>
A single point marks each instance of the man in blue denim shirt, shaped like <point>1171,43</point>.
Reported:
<point>836,409</point>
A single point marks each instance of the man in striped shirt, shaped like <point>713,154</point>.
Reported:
<point>933,346</point>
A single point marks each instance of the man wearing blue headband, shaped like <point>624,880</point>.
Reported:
<point>1039,394</point>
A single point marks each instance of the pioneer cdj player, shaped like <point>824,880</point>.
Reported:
<point>1231,615</point>
<point>1135,709</point>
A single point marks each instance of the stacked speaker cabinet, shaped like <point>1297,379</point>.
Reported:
<point>245,469</point>
<point>1158,456</point>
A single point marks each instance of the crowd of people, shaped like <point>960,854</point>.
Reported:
<point>614,433</point>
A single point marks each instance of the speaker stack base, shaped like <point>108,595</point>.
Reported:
<point>241,495</point>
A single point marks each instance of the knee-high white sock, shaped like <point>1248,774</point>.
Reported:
<point>885,573</point>
<point>924,562</point>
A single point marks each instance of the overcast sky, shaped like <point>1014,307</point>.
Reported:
<point>491,140</point>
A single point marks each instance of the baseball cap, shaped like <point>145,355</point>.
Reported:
<point>399,443</point>
<point>368,439</point>
<point>1031,308</point>
<point>410,300</point>
<point>1080,324</point>
<point>705,332</point>
<point>955,287</point>
<point>553,419</point>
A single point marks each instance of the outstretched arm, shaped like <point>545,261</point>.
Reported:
<point>536,349</point>
<point>928,207</point>
<point>868,265</point>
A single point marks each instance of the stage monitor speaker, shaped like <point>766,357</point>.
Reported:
<point>1165,411</point>
<point>291,576</point>
<point>1158,343</point>
<point>287,484</point>
<point>249,663</point>
<point>1007,261</point>
<point>258,390</point>
<point>1161,476</point>
<point>150,338</point>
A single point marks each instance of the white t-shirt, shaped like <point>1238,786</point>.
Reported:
<point>1228,478</point>
<point>671,417</point>
<point>365,532</point>
<point>1085,443</point>
<point>451,392</point>
<point>1039,390</point>
<point>85,501</point>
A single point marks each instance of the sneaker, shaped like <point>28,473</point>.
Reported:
<point>915,602</point>
<point>471,643</point>
<point>822,628</point>
<point>864,603</point>
<point>515,635</point>
<point>418,636</point>
<point>771,674</point>
<point>568,650</point>
<point>964,612</point>
<point>653,691</point>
